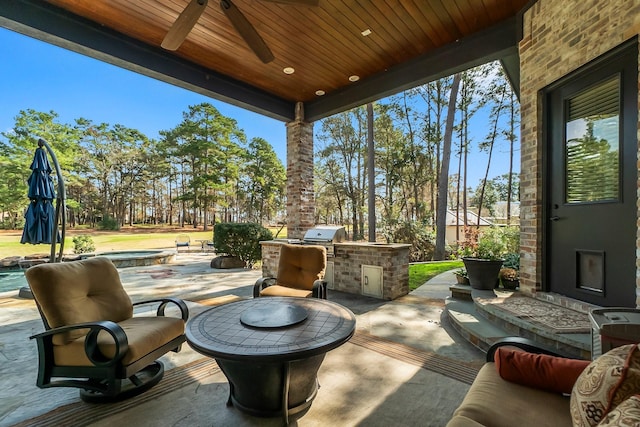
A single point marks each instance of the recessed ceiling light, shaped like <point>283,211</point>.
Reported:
<point>288,70</point>
<point>366,32</point>
<point>320,92</point>
<point>354,78</point>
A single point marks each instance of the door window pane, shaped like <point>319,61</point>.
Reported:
<point>592,144</point>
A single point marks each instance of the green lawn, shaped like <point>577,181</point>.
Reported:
<point>420,273</point>
<point>138,237</point>
<point>104,241</point>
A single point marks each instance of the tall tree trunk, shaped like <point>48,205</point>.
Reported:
<point>183,203</point>
<point>493,135</point>
<point>443,180</point>
<point>464,186</point>
<point>170,200</point>
<point>463,124</point>
<point>458,188</point>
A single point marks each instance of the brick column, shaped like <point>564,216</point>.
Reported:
<point>300,194</point>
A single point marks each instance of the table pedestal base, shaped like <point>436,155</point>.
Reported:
<point>271,389</point>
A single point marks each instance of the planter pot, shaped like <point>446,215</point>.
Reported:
<point>483,273</point>
<point>510,284</point>
<point>462,280</point>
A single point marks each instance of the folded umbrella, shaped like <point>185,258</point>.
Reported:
<point>40,215</point>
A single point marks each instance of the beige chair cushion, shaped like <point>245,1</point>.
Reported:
<point>492,401</point>
<point>80,291</point>
<point>283,291</point>
<point>301,265</point>
<point>145,334</point>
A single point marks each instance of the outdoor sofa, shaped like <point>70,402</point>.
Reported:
<point>543,388</point>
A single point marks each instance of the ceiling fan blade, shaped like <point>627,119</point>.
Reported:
<point>301,2</point>
<point>247,31</point>
<point>184,24</point>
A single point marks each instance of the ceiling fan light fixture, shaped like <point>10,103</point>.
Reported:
<point>320,92</point>
<point>288,70</point>
<point>354,78</point>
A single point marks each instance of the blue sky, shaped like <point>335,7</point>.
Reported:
<point>43,77</point>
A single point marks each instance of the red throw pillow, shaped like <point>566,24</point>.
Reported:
<point>550,373</point>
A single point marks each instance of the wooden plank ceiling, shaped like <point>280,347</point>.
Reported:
<point>326,44</point>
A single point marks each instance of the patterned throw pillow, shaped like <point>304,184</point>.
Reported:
<point>604,384</point>
<point>626,414</point>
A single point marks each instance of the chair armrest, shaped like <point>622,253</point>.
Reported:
<point>524,344</point>
<point>91,340</point>
<point>184,310</point>
<point>262,283</point>
<point>320,289</point>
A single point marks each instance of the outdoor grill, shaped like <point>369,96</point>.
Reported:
<point>325,235</point>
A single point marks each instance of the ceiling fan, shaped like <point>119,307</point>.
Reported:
<point>190,15</point>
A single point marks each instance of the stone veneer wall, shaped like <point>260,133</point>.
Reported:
<point>347,263</point>
<point>300,191</point>
<point>558,38</point>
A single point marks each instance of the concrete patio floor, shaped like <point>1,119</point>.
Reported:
<point>379,384</point>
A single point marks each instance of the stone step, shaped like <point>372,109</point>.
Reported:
<point>477,316</point>
<point>461,292</point>
<point>474,328</point>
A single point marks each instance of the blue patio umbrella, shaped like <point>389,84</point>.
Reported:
<point>40,217</point>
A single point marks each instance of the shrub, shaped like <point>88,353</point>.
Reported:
<point>83,244</point>
<point>421,239</point>
<point>493,243</point>
<point>108,223</point>
<point>12,222</point>
<point>240,240</point>
<point>512,239</point>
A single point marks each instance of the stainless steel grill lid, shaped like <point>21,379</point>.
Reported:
<point>325,234</point>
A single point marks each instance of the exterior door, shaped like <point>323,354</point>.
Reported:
<point>591,181</point>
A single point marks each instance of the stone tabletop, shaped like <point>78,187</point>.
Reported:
<point>220,333</point>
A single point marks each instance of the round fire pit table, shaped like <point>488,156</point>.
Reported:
<point>270,349</point>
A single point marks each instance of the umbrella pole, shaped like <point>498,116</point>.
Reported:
<point>60,206</point>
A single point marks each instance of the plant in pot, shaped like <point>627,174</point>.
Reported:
<point>510,271</point>
<point>482,255</point>
<point>462,277</point>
